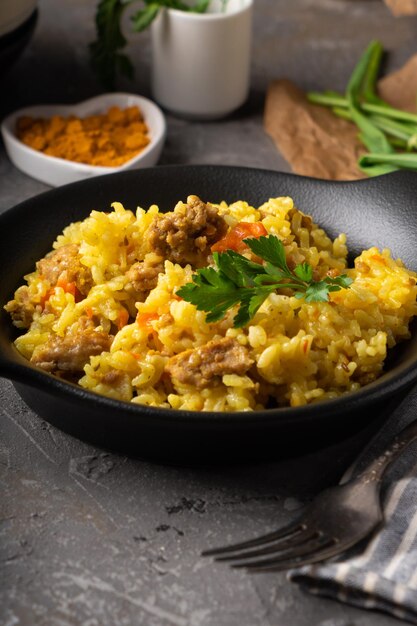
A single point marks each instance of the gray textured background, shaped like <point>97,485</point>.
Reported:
<point>93,538</point>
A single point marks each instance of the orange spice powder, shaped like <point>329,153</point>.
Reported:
<point>109,139</point>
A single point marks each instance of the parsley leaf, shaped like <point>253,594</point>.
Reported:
<point>317,292</point>
<point>270,249</point>
<point>238,268</point>
<point>237,281</point>
<point>304,272</point>
<point>216,288</point>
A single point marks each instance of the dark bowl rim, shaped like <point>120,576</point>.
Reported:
<point>197,166</point>
<point>381,389</point>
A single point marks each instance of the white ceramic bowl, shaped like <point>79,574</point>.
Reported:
<point>54,171</point>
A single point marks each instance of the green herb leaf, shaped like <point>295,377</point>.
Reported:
<point>371,74</point>
<point>270,249</point>
<point>238,268</point>
<point>237,281</point>
<point>143,18</point>
<point>376,170</point>
<point>304,272</point>
<point>342,281</point>
<point>201,6</point>
<point>317,292</point>
<point>373,138</point>
<point>250,305</point>
<point>407,161</point>
<point>105,53</point>
<point>274,273</point>
<point>214,287</point>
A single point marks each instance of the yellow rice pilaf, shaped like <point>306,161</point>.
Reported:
<point>301,352</point>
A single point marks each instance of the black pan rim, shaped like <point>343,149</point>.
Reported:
<point>196,167</point>
<point>383,388</point>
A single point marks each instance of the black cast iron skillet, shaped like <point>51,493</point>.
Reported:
<point>380,211</point>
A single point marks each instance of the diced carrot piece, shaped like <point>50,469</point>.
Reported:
<point>379,259</point>
<point>144,320</point>
<point>122,319</point>
<point>66,286</point>
<point>234,238</point>
<point>70,287</point>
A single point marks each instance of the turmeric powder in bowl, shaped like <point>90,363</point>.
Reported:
<point>109,139</point>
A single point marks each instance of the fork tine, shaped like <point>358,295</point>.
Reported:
<point>299,539</point>
<point>288,530</point>
<point>297,559</point>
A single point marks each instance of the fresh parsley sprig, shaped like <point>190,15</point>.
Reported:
<point>238,281</point>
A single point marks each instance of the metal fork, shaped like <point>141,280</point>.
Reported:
<point>337,519</point>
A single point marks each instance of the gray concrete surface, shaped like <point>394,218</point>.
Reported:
<point>92,538</point>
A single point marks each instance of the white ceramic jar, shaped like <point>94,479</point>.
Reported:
<point>201,61</point>
<point>13,13</point>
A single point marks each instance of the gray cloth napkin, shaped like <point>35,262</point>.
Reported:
<point>381,573</point>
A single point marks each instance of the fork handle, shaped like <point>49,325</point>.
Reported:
<point>376,469</point>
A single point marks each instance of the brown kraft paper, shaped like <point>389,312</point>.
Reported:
<point>402,7</point>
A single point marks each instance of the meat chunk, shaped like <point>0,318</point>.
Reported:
<point>21,308</point>
<point>205,366</point>
<point>64,263</point>
<point>143,277</point>
<point>70,353</point>
<point>186,234</point>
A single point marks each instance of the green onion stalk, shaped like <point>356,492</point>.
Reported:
<point>389,134</point>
